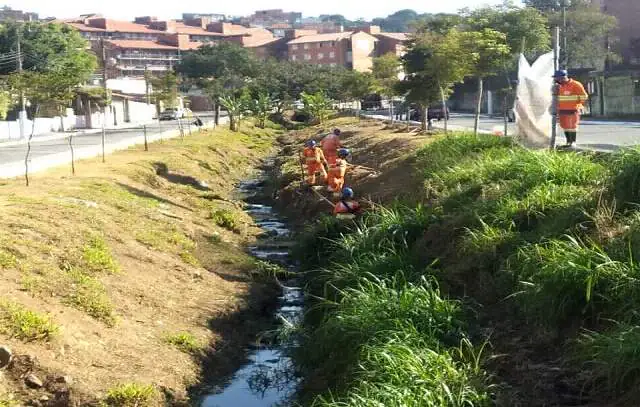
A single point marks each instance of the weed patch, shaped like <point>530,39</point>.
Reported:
<point>97,256</point>
<point>26,325</point>
<point>130,395</point>
<point>184,341</point>
<point>89,295</point>
<point>226,219</point>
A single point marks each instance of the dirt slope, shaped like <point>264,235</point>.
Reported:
<point>123,273</point>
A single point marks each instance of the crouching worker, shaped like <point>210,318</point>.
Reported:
<point>315,161</point>
<point>337,171</point>
<point>347,207</point>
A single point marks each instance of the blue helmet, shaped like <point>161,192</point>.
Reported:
<point>561,73</point>
<point>343,152</point>
<point>311,143</point>
<point>347,193</point>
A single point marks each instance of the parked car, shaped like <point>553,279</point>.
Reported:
<point>433,113</point>
<point>172,113</point>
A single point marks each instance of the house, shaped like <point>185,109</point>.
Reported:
<point>352,49</point>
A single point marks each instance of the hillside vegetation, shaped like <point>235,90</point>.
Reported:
<point>129,276</point>
<point>501,275</point>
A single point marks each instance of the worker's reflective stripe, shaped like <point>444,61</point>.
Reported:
<point>570,98</point>
<point>312,160</point>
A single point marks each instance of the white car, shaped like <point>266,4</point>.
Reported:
<point>172,113</point>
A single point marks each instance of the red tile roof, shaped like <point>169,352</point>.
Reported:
<point>321,37</point>
<point>115,26</point>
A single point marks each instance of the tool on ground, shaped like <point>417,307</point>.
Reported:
<point>323,198</point>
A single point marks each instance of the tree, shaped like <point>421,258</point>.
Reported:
<point>356,85</point>
<point>385,77</point>
<point>442,59</point>
<point>399,22</point>
<point>236,106</point>
<point>262,108</point>
<point>165,89</point>
<point>491,51</point>
<point>48,47</point>
<point>317,105</point>
<point>220,69</point>
<point>526,29</point>
<point>588,31</point>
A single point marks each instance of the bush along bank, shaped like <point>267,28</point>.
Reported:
<point>530,252</point>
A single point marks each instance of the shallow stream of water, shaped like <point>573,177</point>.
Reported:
<point>268,377</point>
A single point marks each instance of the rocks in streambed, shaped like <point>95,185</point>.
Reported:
<point>5,357</point>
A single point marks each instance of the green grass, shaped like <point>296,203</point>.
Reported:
<point>7,259</point>
<point>184,341</point>
<point>7,401</point>
<point>24,324</point>
<point>552,238</point>
<point>89,295</point>
<point>97,256</point>
<point>226,219</point>
<point>130,395</point>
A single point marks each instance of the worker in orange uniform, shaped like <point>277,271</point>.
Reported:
<point>315,161</point>
<point>571,96</point>
<point>330,145</point>
<point>347,208</point>
<point>337,171</point>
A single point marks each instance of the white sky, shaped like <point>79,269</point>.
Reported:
<point>127,9</point>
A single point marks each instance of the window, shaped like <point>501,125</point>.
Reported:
<point>293,57</point>
<point>320,44</point>
<point>306,46</point>
<point>333,43</point>
<point>636,87</point>
<point>320,55</point>
<point>332,54</point>
<point>294,47</point>
<point>307,57</point>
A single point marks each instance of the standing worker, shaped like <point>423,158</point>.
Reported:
<point>571,96</point>
<point>330,145</point>
<point>347,208</point>
<point>337,171</point>
<point>315,161</point>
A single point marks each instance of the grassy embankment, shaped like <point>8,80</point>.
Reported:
<point>130,275</point>
<point>505,276</point>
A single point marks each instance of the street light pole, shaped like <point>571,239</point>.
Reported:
<point>565,55</point>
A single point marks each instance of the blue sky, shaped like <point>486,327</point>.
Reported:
<point>127,9</point>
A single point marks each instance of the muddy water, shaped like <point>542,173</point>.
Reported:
<point>268,378</point>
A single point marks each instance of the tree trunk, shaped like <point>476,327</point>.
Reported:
<point>216,113</point>
<point>444,110</point>
<point>423,118</point>
<point>26,157</point>
<point>476,124</point>
<point>232,122</point>
<point>391,110</point>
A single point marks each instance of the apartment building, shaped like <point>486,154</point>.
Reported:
<point>9,14</point>
<point>628,14</point>
<point>353,50</point>
<point>151,44</point>
<point>268,18</point>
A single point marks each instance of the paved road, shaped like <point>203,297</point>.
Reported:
<point>48,153</point>
<point>594,134</point>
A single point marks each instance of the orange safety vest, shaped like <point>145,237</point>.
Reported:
<point>313,155</point>
<point>346,209</point>
<point>338,168</point>
<point>571,95</point>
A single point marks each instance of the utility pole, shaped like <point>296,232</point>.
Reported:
<point>554,100</point>
<point>22,115</point>
<point>565,55</point>
<point>104,83</point>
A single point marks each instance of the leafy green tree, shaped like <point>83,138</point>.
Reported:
<point>48,47</point>
<point>262,108</point>
<point>165,89</point>
<point>356,85</point>
<point>490,50</point>
<point>220,69</point>
<point>526,29</point>
<point>385,77</point>
<point>444,60</point>
<point>236,106</point>
<point>317,105</point>
<point>399,22</point>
